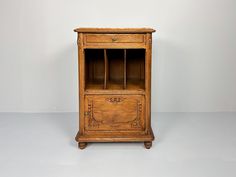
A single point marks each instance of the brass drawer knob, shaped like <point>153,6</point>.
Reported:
<point>114,39</point>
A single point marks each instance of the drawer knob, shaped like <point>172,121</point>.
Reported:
<point>114,39</point>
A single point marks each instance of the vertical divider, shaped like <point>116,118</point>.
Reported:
<point>125,80</point>
<point>106,69</point>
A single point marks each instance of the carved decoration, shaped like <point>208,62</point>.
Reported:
<point>92,122</point>
<point>148,132</point>
<point>136,123</point>
<point>150,41</point>
<point>115,100</point>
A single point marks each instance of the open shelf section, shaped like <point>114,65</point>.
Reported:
<point>115,79</point>
<point>135,66</point>
<point>94,69</point>
<point>115,69</point>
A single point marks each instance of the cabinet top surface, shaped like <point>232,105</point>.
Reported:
<point>114,30</point>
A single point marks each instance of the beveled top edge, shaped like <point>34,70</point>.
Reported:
<point>114,30</point>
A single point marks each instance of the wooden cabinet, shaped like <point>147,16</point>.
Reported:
<point>114,85</point>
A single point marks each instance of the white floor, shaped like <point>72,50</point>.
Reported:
<point>186,145</point>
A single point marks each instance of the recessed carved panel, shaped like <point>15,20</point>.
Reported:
<point>114,113</point>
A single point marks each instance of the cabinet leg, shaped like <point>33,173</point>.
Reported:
<point>82,145</point>
<point>148,144</point>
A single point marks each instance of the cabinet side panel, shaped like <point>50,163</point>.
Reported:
<point>148,81</point>
<point>81,82</point>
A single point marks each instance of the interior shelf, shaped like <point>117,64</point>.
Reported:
<point>115,69</point>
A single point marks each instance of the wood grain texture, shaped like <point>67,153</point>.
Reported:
<point>114,85</point>
<point>125,70</point>
<point>114,30</point>
<point>114,112</point>
<point>113,38</point>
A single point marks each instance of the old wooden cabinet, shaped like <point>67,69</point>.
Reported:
<point>114,85</point>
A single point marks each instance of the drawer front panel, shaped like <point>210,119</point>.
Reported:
<point>114,112</point>
<point>114,38</point>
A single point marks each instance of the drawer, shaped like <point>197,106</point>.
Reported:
<point>114,112</point>
<point>114,38</point>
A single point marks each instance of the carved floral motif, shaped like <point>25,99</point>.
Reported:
<point>92,122</point>
<point>136,123</point>
<point>115,100</point>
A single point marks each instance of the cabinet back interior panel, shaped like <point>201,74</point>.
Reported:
<point>135,67</point>
<point>94,68</point>
<point>115,68</point>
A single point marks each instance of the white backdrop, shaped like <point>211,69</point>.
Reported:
<point>194,51</point>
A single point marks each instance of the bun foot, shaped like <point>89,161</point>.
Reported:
<point>82,145</point>
<point>148,144</point>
